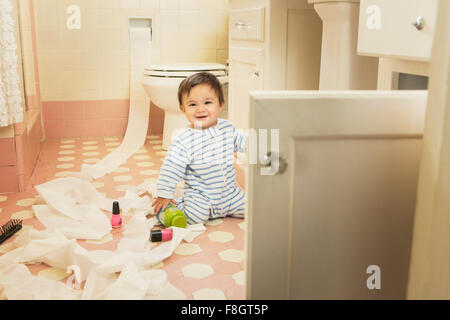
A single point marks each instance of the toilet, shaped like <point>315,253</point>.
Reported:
<point>161,83</point>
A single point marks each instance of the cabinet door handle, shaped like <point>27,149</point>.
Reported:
<point>241,25</point>
<point>254,74</point>
<point>419,23</point>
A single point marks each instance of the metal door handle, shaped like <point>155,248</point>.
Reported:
<point>269,157</point>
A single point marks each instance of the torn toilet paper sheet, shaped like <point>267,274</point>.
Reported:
<point>72,205</point>
<point>136,234</point>
<point>107,164</point>
<point>17,283</point>
<point>93,225</point>
<point>98,267</point>
<point>151,188</point>
<point>133,283</point>
<point>72,196</point>
<point>55,250</point>
<point>137,282</point>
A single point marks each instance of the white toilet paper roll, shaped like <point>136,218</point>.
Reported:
<point>136,133</point>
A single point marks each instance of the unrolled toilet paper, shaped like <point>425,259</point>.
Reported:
<point>136,133</point>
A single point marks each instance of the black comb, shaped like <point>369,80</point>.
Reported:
<point>9,228</point>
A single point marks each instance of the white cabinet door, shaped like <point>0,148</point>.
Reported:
<point>246,73</point>
<point>247,24</point>
<point>345,203</point>
<point>386,28</point>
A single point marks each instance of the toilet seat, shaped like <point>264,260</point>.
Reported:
<point>183,70</point>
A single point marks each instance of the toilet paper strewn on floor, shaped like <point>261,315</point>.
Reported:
<point>93,226</point>
<point>72,206</point>
<point>132,258</point>
<point>17,283</point>
<point>72,196</point>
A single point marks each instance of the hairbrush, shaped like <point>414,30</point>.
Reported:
<point>9,228</point>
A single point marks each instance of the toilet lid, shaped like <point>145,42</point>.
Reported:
<point>182,70</point>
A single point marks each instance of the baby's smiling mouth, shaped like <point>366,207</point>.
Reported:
<point>201,117</point>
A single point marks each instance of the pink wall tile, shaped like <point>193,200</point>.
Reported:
<point>115,127</point>
<point>93,109</point>
<point>93,128</point>
<point>19,128</point>
<point>113,109</point>
<point>21,152</point>
<point>35,132</point>
<point>24,159</point>
<point>8,182</point>
<point>53,110</point>
<point>155,126</point>
<point>75,128</point>
<point>31,146</point>
<point>93,118</point>
<point>73,110</point>
<point>155,111</point>
<point>7,152</point>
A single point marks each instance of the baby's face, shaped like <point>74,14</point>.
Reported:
<point>201,107</point>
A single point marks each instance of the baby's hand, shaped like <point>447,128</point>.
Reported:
<point>159,203</point>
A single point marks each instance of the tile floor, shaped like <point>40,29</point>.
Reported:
<point>210,267</point>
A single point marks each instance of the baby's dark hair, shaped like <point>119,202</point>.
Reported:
<point>200,78</point>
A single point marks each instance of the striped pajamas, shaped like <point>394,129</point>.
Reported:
<point>204,160</point>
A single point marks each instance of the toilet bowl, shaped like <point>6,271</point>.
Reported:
<point>161,83</point>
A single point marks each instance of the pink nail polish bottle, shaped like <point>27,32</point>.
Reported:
<point>161,235</point>
<point>116,219</point>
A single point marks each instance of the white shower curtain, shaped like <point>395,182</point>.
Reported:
<point>11,110</point>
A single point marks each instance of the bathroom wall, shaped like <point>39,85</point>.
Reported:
<point>84,72</point>
<point>21,143</point>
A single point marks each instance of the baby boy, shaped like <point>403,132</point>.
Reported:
<point>202,154</point>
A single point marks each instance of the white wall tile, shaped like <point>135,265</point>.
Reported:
<point>103,4</point>
<point>222,56</point>
<point>169,21</point>
<point>94,61</point>
<point>150,4</point>
<point>222,30</point>
<point>222,5</point>
<point>91,80</point>
<point>197,4</point>
<point>169,4</point>
<point>48,40</point>
<point>129,4</point>
<point>109,19</point>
